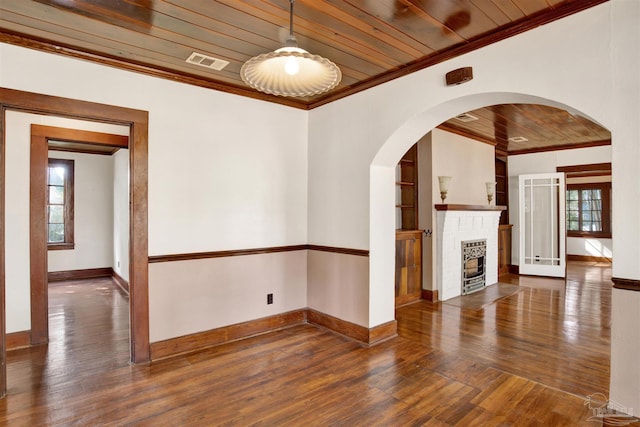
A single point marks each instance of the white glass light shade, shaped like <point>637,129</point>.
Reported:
<point>491,188</point>
<point>444,181</point>
<point>275,73</point>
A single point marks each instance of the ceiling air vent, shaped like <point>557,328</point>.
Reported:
<point>465,117</point>
<point>207,61</point>
<point>518,139</point>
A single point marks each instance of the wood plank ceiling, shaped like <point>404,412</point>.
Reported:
<point>372,41</point>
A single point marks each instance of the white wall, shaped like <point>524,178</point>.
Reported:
<point>225,172</point>
<point>121,213</point>
<point>547,162</point>
<point>469,163</point>
<point>18,135</point>
<point>93,214</point>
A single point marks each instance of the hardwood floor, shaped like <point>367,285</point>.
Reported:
<point>501,365</point>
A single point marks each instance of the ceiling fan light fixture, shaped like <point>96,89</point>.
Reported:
<point>290,70</point>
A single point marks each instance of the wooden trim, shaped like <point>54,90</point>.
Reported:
<point>60,246</point>
<point>84,150</point>
<point>430,295</point>
<point>225,334</point>
<point>81,136</point>
<point>560,147</point>
<point>120,281</point>
<point>408,299</point>
<point>138,122</point>
<point>589,235</point>
<point>38,239</point>
<point>587,258</point>
<point>88,273</point>
<point>599,167</point>
<point>3,327</point>
<point>447,207</point>
<point>223,254</point>
<point>201,340</point>
<point>514,269</point>
<point>16,340</point>
<point>383,332</point>
<point>448,127</point>
<point>358,333</point>
<point>342,327</point>
<point>256,251</point>
<point>345,251</point>
<point>626,284</point>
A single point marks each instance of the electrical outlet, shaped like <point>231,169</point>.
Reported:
<point>269,298</point>
<point>118,264</point>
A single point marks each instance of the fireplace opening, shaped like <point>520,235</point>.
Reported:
<point>473,265</point>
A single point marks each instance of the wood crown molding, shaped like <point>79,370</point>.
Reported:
<point>581,171</point>
<point>255,251</point>
<point>453,207</point>
<point>448,127</point>
<point>560,147</point>
<point>626,284</point>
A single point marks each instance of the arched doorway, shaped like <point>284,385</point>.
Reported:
<point>382,187</point>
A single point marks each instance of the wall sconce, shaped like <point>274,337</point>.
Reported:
<point>491,190</point>
<point>443,181</point>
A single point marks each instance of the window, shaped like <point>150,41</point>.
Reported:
<point>60,204</point>
<point>589,210</point>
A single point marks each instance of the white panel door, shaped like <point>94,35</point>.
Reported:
<point>542,224</point>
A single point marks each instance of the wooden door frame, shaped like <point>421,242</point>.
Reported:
<point>38,248</point>
<point>138,122</point>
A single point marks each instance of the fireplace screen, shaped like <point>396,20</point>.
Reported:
<point>473,265</point>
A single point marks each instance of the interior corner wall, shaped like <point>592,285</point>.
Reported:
<point>547,162</point>
<point>468,162</point>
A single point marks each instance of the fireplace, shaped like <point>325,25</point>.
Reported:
<point>465,223</point>
<point>474,254</point>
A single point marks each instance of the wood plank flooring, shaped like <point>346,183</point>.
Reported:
<point>474,372</point>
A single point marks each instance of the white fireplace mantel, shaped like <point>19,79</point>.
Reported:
<point>458,223</point>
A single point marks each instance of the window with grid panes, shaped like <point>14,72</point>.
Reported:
<point>589,210</point>
<point>60,204</point>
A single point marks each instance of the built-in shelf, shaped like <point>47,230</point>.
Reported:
<point>452,207</point>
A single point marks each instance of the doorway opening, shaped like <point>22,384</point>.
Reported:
<point>137,122</point>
